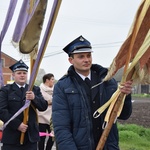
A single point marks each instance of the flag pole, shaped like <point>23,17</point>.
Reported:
<point>48,32</point>
<point>113,115</point>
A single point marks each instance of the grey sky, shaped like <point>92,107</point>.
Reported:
<point>104,23</point>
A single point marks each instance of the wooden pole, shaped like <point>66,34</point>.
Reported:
<point>43,48</point>
<point>26,111</point>
<point>117,105</point>
<point>113,117</point>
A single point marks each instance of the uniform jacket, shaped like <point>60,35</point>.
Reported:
<point>71,111</point>
<point>11,100</point>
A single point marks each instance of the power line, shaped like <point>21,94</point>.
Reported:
<point>94,46</point>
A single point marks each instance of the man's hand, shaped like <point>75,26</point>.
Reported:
<point>126,87</point>
<point>23,127</point>
<point>30,95</point>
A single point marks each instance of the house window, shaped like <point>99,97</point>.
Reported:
<point>2,61</point>
<point>145,89</point>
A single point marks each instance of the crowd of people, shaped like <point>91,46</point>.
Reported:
<point>65,109</point>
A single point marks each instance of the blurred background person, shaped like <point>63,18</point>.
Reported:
<point>45,116</point>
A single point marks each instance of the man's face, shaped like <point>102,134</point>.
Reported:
<point>20,77</point>
<point>82,62</point>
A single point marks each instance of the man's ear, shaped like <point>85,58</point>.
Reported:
<point>70,60</point>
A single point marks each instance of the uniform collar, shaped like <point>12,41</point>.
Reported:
<point>20,85</point>
<point>83,77</point>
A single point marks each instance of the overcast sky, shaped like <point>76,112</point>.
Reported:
<point>105,23</point>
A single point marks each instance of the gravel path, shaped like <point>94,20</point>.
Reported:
<point>140,113</point>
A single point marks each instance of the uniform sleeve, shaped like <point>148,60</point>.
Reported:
<point>61,120</point>
<point>127,108</point>
<point>5,113</point>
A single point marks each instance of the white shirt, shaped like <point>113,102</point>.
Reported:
<point>83,77</point>
<point>21,86</point>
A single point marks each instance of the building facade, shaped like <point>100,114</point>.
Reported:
<point>6,62</point>
<point>137,89</point>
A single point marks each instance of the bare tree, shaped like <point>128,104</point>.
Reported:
<point>39,77</point>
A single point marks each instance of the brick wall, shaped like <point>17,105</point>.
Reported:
<point>6,62</point>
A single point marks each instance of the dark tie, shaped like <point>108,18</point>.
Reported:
<point>88,82</point>
<point>22,89</point>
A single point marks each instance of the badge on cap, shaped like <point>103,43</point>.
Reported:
<point>81,38</point>
<point>21,61</point>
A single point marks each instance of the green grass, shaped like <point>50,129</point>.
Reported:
<point>134,137</point>
<point>141,95</point>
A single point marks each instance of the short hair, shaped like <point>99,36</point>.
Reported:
<point>47,76</point>
<point>71,55</point>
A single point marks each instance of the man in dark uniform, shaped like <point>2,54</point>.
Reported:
<point>75,100</point>
<point>12,98</point>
